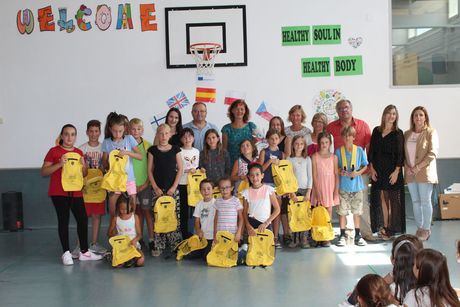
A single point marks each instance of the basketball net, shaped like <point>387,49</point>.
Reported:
<point>204,55</point>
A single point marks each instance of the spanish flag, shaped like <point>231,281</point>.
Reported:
<point>206,95</point>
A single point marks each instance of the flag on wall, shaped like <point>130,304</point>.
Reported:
<point>178,101</point>
<point>205,94</point>
<point>231,96</point>
<point>265,111</point>
<point>158,120</point>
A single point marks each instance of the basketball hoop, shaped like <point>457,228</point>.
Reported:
<point>205,55</point>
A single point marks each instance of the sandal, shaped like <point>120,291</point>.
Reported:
<point>385,234</point>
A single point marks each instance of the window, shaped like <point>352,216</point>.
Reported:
<point>425,42</point>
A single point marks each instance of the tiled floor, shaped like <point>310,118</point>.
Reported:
<point>31,274</point>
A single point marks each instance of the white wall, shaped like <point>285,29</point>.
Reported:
<point>49,79</point>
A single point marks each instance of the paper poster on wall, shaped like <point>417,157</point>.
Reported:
<point>26,23</point>
<point>231,96</point>
<point>103,18</point>
<point>205,95</point>
<point>325,102</point>
<point>315,67</point>
<point>355,42</point>
<point>295,36</point>
<point>326,35</point>
<point>81,13</point>
<point>63,23</point>
<point>178,101</point>
<point>348,65</point>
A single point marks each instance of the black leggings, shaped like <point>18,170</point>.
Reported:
<point>184,212</point>
<point>63,206</point>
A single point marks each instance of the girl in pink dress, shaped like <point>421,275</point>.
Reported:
<point>325,174</point>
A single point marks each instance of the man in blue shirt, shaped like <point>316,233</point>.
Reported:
<point>199,125</point>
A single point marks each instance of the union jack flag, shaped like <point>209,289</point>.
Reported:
<point>178,101</point>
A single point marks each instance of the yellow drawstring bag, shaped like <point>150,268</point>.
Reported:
<point>261,251</point>
<point>122,250</point>
<point>244,184</point>
<point>72,173</point>
<point>224,253</point>
<point>299,215</point>
<point>284,178</point>
<point>321,227</point>
<point>216,193</point>
<point>189,245</point>
<point>164,211</point>
<point>92,191</point>
<point>343,157</point>
<point>116,178</point>
<point>193,187</point>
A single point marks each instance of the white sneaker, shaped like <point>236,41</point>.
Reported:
<point>88,256</point>
<point>67,258</point>
<point>360,241</point>
<point>342,241</point>
<point>76,252</point>
<point>98,249</point>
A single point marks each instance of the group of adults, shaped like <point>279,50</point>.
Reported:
<point>390,151</point>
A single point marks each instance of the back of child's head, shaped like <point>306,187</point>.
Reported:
<point>403,252</point>
<point>434,274</point>
<point>304,150</point>
<point>207,148</point>
<point>136,121</point>
<point>184,132</point>
<point>206,181</point>
<point>114,119</point>
<point>122,200</point>
<point>347,131</point>
<point>253,146</point>
<point>93,123</point>
<point>271,132</point>
<point>373,291</point>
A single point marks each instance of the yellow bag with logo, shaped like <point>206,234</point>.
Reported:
<point>261,251</point>
<point>189,245</point>
<point>321,227</point>
<point>299,214</point>
<point>116,178</point>
<point>216,193</point>
<point>284,178</point>
<point>92,191</point>
<point>164,212</point>
<point>72,173</point>
<point>193,187</point>
<point>224,253</point>
<point>122,250</point>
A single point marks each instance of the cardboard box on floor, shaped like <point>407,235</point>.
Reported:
<point>449,205</point>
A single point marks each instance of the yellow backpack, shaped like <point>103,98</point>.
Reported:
<point>193,187</point>
<point>321,227</point>
<point>165,215</point>
<point>244,184</point>
<point>261,251</point>
<point>284,178</point>
<point>299,215</point>
<point>116,178</point>
<point>343,157</point>
<point>216,193</point>
<point>224,253</point>
<point>122,250</point>
<point>92,191</point>
<point>189,245</point>
<point>72,173</point>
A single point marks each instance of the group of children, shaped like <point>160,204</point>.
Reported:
<point>420,277</point>
<point>247,198</point>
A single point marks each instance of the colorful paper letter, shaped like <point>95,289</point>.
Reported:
<point>26,25</point>
<point>103,17</point>
<point>45,19</point>
<point>147,17</point>
<point>124,17</point>
<point>83,11</point>
<point>63,23</point>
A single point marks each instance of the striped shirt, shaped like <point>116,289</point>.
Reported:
<point>227,214</point>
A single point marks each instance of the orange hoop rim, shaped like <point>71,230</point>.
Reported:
<point>205,46</point>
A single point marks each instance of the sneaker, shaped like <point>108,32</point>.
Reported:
<point>67,258</point>
<point>156,253</point>
<point>89,256</point>
<point>97,249</point>
<point>360,241</point>
<point>277,244</point>
<point>76,252</point>
<point>342,241</point>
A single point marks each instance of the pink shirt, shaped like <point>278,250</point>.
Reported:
<point>412,147</point>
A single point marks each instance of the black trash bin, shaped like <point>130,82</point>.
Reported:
<point>13,219</point>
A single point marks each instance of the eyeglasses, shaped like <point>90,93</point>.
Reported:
<point>225,188</point>
<point>343,109</point>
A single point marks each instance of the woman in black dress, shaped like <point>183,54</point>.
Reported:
<point>386,159</point>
